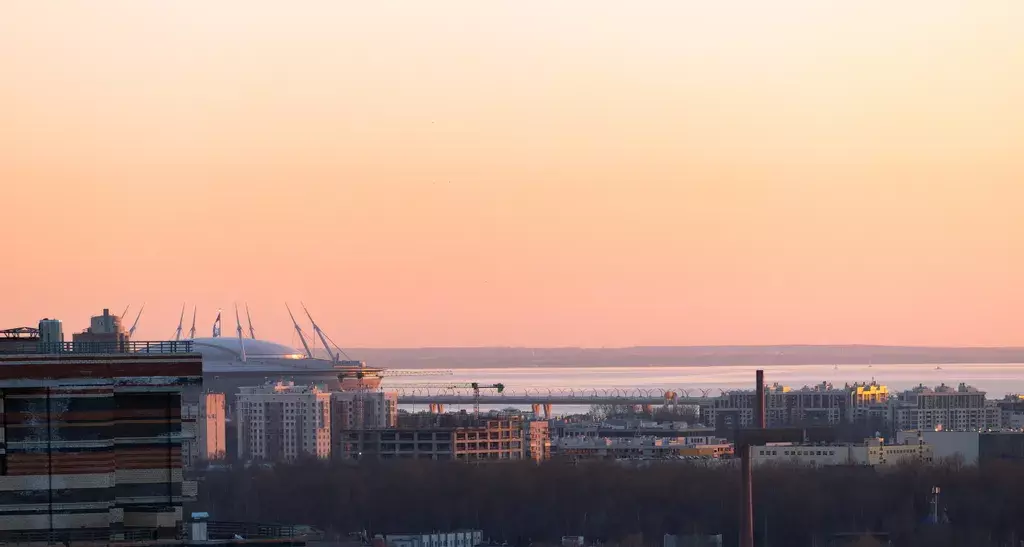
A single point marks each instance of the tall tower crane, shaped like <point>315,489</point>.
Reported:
<point>363,372</point>
<point>393,372</point>
<point>475,386</point>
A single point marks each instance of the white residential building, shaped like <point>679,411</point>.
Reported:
<point>645,448</point>
<point>872,452</point>
<point>1011,410</point>
<point>821,404</point>
<point>462,538</point>
<point>809,455</point>
<point>961,445</point>
<point>962,408</point>
<point>282,421</point>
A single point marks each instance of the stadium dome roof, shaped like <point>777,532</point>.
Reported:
<point>227,348</point>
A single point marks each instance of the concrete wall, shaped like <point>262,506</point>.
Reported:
<point>41,521</point>
<point>151,519</point>
<point>1001,446</point>
<point>810,455</point>
<point>946,444</point>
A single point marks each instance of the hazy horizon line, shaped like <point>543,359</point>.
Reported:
<point>696,346</point>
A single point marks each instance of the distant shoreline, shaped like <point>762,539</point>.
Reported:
<point>768,366</point>
<point>667,356</point>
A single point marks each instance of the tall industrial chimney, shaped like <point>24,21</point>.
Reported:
<point>746,475</point>
<point>759,404</point>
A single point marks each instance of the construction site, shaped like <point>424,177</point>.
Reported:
<point>282,404</point>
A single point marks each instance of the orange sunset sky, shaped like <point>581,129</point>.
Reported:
<point>590,173</point>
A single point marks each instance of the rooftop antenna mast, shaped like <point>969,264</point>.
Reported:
<point>238,328</point>
<point>216,326</point>
<point>181,319</point>
<point>192,331</point>
<point>298,329</point>
<point>131,331</point>
<point>252,331</point>
<point>334,357</point>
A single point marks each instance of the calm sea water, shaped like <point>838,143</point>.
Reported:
<point>996,379</point>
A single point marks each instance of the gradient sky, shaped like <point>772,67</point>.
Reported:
<point>597,173</point>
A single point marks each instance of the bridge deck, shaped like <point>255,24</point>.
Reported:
<point>554,399</point>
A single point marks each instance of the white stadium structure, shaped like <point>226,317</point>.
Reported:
<point>226,349</point>
<point>233,362</point>
<point>230,363</point>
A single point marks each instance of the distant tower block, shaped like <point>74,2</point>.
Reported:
<point>105,333</point>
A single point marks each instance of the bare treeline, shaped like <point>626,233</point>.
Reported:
<point>524,503</point>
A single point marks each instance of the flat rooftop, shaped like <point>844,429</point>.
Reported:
<point>22,346</point>
<point>144,363</point>
<point>262,542</point>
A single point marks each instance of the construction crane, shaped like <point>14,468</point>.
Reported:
<point>363,372</point>
<point>395,372</point>
<point>475,386</point>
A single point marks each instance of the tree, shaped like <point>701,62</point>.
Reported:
<point>867,540</point>
<point>522,503</point>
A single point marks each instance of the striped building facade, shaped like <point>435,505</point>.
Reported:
<point>91,444</point>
